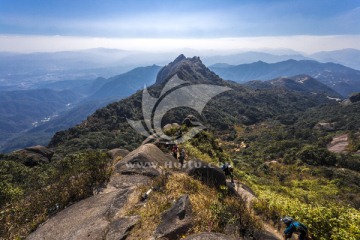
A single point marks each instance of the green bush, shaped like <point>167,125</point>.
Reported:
<point>313,155</point>
<point>325,222</point>
<point>30,196</point>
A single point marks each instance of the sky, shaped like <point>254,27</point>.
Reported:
<point>159,25</point>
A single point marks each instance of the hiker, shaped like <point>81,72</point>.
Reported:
<point>175,151</point>
<point>228,170</point>
<point>182,157</point>
<point>294,226</point>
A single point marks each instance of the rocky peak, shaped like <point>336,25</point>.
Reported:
<point>179,58</point>
<point>188,69</point>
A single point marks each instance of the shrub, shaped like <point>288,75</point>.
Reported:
<point>59,185</point>
<point>313,155</point>
<point>325,222</point>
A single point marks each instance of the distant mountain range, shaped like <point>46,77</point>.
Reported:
<point>21,109</point>
<point>108,127</point>
<point>299,83</point>
<point>95,92</point>
<point>342,79</point>
<point>252,56</point>
<point>126,83</point>
<point>347,57</point>
<point>22,71</point>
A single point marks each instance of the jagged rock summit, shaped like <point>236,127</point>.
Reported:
<point>188,69</point>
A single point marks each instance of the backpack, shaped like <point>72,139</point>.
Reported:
<point>300,227</point>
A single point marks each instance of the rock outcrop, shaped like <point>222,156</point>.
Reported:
<point>92,218</point>
<point>339,144</point>
<point>120,228</point>
<point>176,221</point>
<point>191,121</point>
<point>171,126</point>
<point>33,156</point>
<point>209,236</point>
<point>118,152</point>
<point>147,160</point>
<point>207,173</point>
<point>104,216</point>
<point>188,69</point>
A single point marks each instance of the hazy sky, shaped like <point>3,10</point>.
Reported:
<point>304,25</point>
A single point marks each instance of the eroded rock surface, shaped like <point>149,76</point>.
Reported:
<point>104,216</point>
<point>209,236</point>
<point>176,221</point>
<point>209,174</point>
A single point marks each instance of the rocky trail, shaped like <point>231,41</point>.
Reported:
<point>269,232</point>
<point>106,214</point>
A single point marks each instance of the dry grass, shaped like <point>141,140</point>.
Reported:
<point>201,198</point>
<point>211,209</point>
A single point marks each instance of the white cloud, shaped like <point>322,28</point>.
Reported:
<point>308,44</point>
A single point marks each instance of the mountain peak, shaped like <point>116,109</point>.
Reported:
<point>179,58</point>
<point>188,69</point>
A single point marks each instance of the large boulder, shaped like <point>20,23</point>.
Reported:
<point>33,156</point>
<point>118,152</point>
<point>146,160</point>
<point>170,126</point>
<point>103,216</point>
<point>176,221</point>
<point>191,121</point>
<point>92,218</point>
<point>209,236</point>
<point>120,228</point>
<point>207,173</point>
<point>44,151</point>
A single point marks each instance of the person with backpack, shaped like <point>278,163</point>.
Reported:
<point>293,226</point>
<point>175,151</point>
<point>228,170</point>
<point>182,156</point>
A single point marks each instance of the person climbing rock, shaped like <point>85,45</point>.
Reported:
<point>228,170</point>
<point>175,151</point>
<point>293,226</point>
<point>182,157</point>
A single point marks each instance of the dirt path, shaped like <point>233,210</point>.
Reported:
<point>339,144</point>
<point>270,233</point>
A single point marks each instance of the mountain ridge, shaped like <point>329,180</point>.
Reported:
<point>221,113</point>
<point>94,94</point>
<point>188,69</point>
<point>343,80</point>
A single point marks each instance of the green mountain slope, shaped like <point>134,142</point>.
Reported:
<point>21,110</point>
<point>108,127</point>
